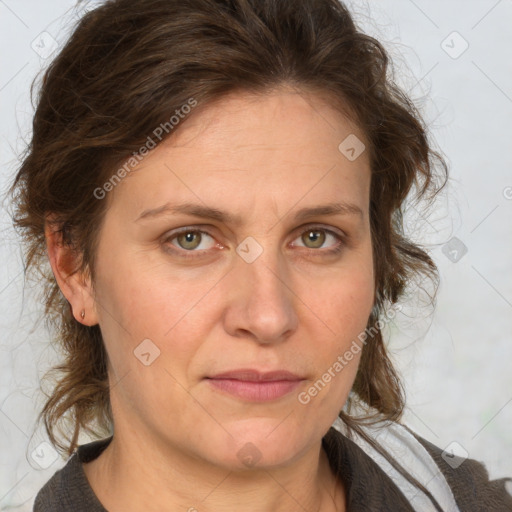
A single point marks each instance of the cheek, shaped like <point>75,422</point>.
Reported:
<point>344,307</point>
<point>143,296</point>
<point>138,302</point>
<point>346,304</point>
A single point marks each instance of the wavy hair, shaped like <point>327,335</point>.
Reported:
<point>130,64</point>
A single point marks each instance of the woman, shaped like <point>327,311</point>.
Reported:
<point>217,188</point>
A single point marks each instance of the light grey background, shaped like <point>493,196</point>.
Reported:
<point>456,360</point>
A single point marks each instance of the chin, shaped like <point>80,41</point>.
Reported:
<point>264,446</point>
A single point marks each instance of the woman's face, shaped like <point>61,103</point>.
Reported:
<point>256,287</point>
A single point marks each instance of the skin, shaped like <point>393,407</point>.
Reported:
<point>177,439</point>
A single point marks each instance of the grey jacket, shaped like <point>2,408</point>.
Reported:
<point>369,488</point>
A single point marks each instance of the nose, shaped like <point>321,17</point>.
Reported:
<point>263,305</point>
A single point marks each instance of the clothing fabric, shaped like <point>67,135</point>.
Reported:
<point>371,484</point>
<point>401,446</point>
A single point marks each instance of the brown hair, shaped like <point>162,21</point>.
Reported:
<point>127,67</point>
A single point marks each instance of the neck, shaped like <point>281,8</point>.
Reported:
<point>130,469</point>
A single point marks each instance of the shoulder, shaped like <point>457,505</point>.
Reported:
<point>400,453</point>
<point>469,481</point>
<point>53,496</point>
<point>68,489</point>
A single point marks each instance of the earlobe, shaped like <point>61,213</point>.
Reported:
<point>74,285</point>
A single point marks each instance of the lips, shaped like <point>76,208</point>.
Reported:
<point>255,386</point>
<point>256,376</point>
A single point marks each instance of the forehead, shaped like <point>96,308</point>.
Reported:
<point>284,146</point>
<point>285,114</point>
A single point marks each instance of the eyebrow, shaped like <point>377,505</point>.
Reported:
<point>206,212</point>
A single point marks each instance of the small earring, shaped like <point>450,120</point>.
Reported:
<point>82,314</point>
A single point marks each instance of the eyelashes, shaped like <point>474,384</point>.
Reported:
<point>191,235</point>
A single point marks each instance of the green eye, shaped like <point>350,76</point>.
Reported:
<point>189,240</point>
<point>317,237</point>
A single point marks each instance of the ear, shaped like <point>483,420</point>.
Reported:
<point>76,286</point>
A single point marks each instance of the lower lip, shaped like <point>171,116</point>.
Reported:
<point>257,391</point>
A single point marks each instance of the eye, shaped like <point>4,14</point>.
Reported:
<point>193,240</point>
<point>315,237</point>
<point>190,240</point>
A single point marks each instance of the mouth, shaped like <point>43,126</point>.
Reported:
<point>254,386</point>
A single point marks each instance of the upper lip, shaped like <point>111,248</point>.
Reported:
<point>255,375</point>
